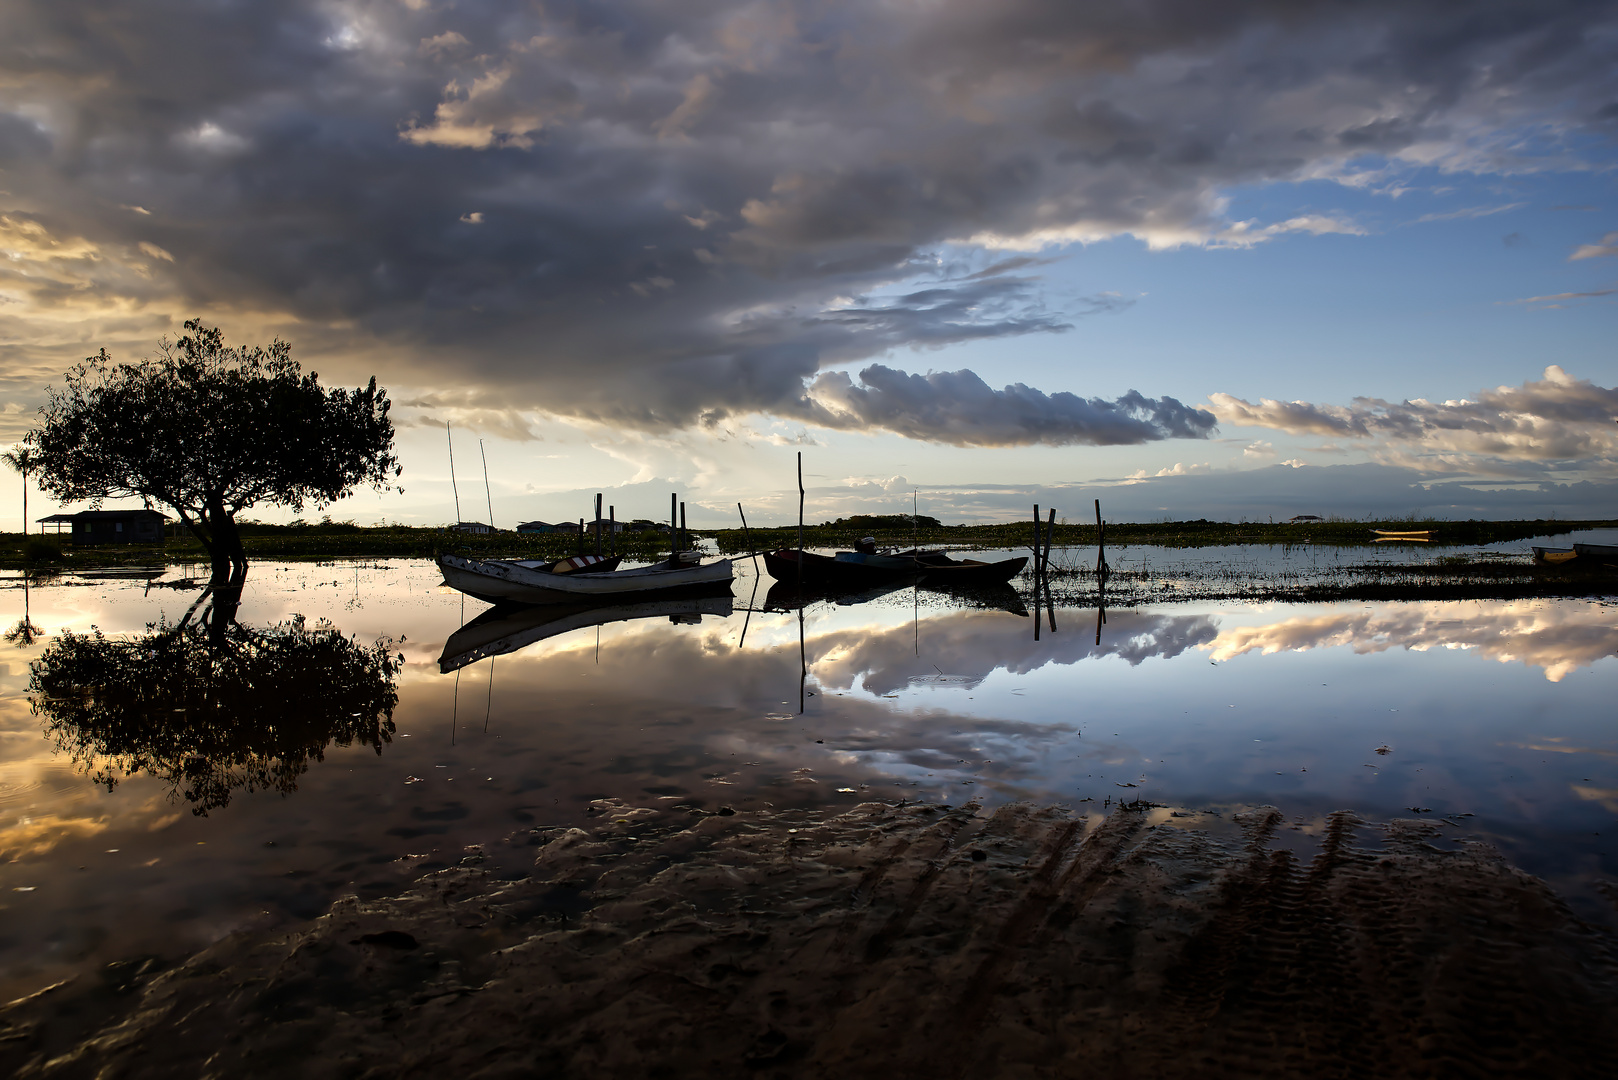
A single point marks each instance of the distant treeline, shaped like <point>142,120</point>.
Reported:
<point>344,539</point>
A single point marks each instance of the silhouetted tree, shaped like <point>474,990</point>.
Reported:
<point>25,459</point>
<point>210,430</point>
<point>246,709</point>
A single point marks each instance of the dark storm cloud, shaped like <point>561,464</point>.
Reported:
<point>959,408</point>
<point>658,214</point>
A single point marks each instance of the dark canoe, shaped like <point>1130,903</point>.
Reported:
<point>1607,552</point>
<point>824,572</point>
<point>969,572</point>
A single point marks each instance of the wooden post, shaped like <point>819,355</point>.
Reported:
<point>612,527</point>
<point>746,532</point>
<point>685,539</point>
<point>800,520</point>
<point>674,537</point>
<point>1050,531</point>
<point>581,536</point>
<point>598,523</point>
<point>1101,544</point>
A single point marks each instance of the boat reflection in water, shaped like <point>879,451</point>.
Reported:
<point>499,631</point>
<point>786,596</point>
<point>213,709</point>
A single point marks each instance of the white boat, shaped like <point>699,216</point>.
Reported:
<point>501,581</point>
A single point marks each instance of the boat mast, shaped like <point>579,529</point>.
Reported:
<point>452,486</point>
<point>486,494</point>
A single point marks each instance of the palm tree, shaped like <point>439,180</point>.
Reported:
<point>24,459</point>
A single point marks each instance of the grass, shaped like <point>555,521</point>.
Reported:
<point>1200,533</point>
<point>333,541</point>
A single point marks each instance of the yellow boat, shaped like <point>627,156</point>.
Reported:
<point>1413,534</point>
<point>1554,555</point>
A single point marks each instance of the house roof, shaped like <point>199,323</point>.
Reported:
<point>97,515</point>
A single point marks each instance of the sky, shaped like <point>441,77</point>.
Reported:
<point>1196,259</point>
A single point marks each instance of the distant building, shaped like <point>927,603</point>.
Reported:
<point>571,527</point>
<point>472,527</point>
<point>1304,517</point>
<point>91,527</point>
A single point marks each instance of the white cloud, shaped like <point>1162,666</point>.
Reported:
<point>1608,246</point>
<point>1556,421</point>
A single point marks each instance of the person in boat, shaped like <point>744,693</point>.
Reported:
<point>866,545</point>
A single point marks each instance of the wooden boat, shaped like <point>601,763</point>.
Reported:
<point>1605,552</point>
<point>1405,534</point>
<point>1554,555</point>
<point>509,582</point>
<point>824,571</point>
<point>941,570</point>
<point>506,629</point>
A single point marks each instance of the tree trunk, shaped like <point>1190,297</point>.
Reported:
<point>229,558</point>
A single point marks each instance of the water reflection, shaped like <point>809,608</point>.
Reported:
<point>1559,639</point>
<point>902,695</point>
<point>210,708</point>
<point>499,631</point>
<point>968,646</point>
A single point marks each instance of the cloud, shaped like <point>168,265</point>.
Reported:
<point>1608,246</point>
<point>1555,420</point>
<point>1553,300</point>
<point>1559,641</point>
<point>693,212</point>
<point>1471,212</point>
<point>959,408</point>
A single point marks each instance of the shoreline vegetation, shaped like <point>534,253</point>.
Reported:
<point>1432,573</point>
<point>344,539</point>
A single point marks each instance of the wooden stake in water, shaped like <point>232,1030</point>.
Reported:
<point>747,534</point>
<point>1050,531</point>
<point>598,523</point>
<point>800,519</point>
<point>1035,547</point>
<point>1101,545</point>
<point>685,537</point>
<point>674,537</point>
<point>612,528</point>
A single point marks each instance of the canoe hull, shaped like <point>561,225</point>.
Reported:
<point>1608,552</point>
<point>822,571</point>
<point>972,572</point>
<point>500,582</point>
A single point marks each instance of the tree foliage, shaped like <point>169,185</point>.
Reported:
<point>209,430</point>
<point>211,717</point>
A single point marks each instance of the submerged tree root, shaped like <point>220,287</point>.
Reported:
<point>902,941</point>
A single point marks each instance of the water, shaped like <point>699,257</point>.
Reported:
<point>1495,716</point>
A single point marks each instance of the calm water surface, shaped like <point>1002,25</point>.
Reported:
<point>1497,714</point>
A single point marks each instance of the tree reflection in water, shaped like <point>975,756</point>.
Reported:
<point>213,709</point>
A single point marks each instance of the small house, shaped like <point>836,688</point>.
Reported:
<point>569,527</point>
<point>475,527</point>
<point>91,527</point>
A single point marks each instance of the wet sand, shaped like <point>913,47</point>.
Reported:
<point>889,941</point>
